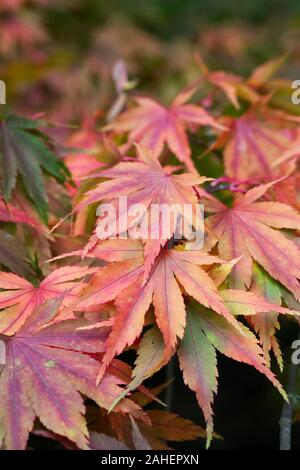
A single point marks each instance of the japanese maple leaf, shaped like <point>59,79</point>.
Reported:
<point>230,84</point>
<point>265,324</point>
<point>253,143</point>
<point>46,368</point>
<point>9,213</point>
<point>205,333</point>
<point>124,280</point>
<point>12,255</point>
<point>288,191</point>
<point>291,153</point>
<point>144,181</point>
<point>19,297</point>
<point>24,151</point>
<point>234,86</point>
<point>83,162</point>
<point>104,442</point>
<point>163,426</point>
<point>249,229</point>
<point>261,305</point>
<point>197,355</point>
<point>155,125</point>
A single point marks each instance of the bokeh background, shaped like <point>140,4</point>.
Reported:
<point>56,58</point>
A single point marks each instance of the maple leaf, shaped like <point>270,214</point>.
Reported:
<point>9,213</point>
<point>206,332</point>
<point>289,154</point>
<point>261,305</point>
<point>24,151</point>
<point>19,297</point>
<point>102,442</point>
<point>86,143</point>
<point>264,324</point>
<point>254,142</point>
<point>287,191</point>
<point>154,125</point>
<point>124,280</point>
<point>262,74</point>
<point>150,358</point>
<point>248,229</point>
<point>145,182</point>
<point>232,85</point>
<point>12,255</point>
<point>162,426</point>
<point>46,368</point>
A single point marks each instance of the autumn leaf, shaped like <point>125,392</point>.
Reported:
<point>287,191</point>
<point>9,213</point>
<point>261,305</point>
<point>13,256</point>
<point>162,427</point>
<point>18,297</point>
<point>250,229</point>
<point>206,332</point>
<point>171,427</point>
<point>232,85</point>
<point>24,151</point>
<point>264,324</point>
<point>150,358</point>
<point>83,160</point>
<point>254,142</point>
<point>124,280</point>
<point>198,362</point>
<point>46,368</point>
<point>262,74</point>
<point>145,182</point>
<point>154,125</point>
<point>103,442</point>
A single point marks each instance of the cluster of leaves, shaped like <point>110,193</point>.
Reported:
<point>66,324</point>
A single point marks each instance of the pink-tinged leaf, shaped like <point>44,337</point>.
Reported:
<point>151,358</point>
<point>231,342</point>
<point>19,297</point>
<point>103,442</point>
<point>264,72</point>
<point>266,324</point>
<point>139,441</point>
<point>198,362</point>
<point>44,373</point>
<point>247,303</point>
<point>108,282</point>
<point>254,143</point>
<point>9,213</point>
<point>162,289</point>
<point>154,125</point>
<point>205,332</point>
<point>247,230</point>
<point>83,161</point>
<point>228,83</point>
<point>145,182</point>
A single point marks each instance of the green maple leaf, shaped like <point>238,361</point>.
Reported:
<point>25,151</point>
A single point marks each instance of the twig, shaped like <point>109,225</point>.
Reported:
<point>170,372</point>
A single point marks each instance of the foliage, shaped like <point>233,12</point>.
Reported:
<point>68,325</point>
